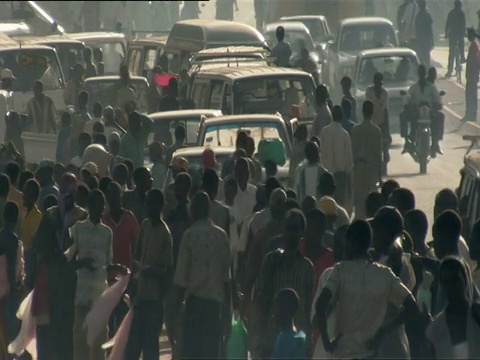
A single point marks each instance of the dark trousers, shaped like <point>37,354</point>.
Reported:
<point>452,43</point>
<point>471,99</point>
<point>43,342</point>
<point>202,329</point>
<point>116,318</point>
<point>145,331</point>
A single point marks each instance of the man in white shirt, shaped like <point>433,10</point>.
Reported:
<point>282,51</point>
<point>308,172</point>
<point>379,98</point>
<point>337,153</point>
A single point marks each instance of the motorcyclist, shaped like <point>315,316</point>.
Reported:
<point>438,117</point>
<point>420,93</point>
<point>307,64</point>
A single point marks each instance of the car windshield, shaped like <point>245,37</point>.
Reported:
<point>105,92</point>
<point>316,28</point>
<point>29,65</point>
<point>275,94</point>
<point>395,69</point>
<point>296,39</point>
<point>363,37</point>
<point>113,54</point>
<point>225,135</point>
<point>164,130</point>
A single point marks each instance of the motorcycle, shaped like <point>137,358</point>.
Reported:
<point>420,146</point>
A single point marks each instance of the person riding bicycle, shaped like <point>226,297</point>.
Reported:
<point>420,93</point>
<point>455,33</point>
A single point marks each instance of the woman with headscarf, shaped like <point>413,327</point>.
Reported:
<point>454,333</point>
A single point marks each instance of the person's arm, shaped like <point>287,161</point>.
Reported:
<point>321,314</point>
<point>147,126</point>
<point>447,25</point>
<point>182,273</point>
<point>71,252</point>
<point>53,117</point>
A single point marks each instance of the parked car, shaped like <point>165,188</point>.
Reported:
<point>353,36</point>
<point>398,66</point>
<point>253,90</point>
<point>222,132</point>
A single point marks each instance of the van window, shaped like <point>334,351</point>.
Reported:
<point>149,61</point>
<point>200,95</point>
<point>113,55</point>
<point>134,58</point>
<point>275,94</point>
<point>216,95</point>
<point>29,65</point>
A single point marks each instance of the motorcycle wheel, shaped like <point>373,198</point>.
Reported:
<point>423,149</point>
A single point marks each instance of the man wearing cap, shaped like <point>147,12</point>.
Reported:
<point>58,291</point>
<point>472,73</point>
<point>178,165</point>
<point>7,77</point>
<point>96,154</point>
<point>41,111</point>
<point>132,145</point>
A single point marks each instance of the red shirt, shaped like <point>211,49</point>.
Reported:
<point>473,61</point>
<point>323,262</point>
<point>125,234</point>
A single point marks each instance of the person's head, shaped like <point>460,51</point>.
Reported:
<point>31,192</point>
<point>285,306</point>
<point>241,171</point>
<point>432,74</point>
<point>347,108</point>
<point>311,152</point>
<point>260,198</point>
<point>13,172</point>
<point>84,140</point>
<point>231,190</point>
<point>200,207</point>
<point>134,123</point>
<point>280,33</point>
<point>114,196</point>
<point>387,226</point>
<point>82,99</point>
<point>321,95</point>
<point>378,80</point>
<point>276,203</point>
<point>37,88</point>
<point>387,188</point>
<point>120,174</point>
<point>455,280</point>
<point>78,72</point>
<point>346,84</point>
<point>210,181</point>
<point>4,185</point>
<point>97,110</point>
<point>179,165</point>
<point>270,185</point>
<point>209,160</point>
<point>108,115</point>
<point>142,179</point>
<point>358,239</point>
<point>471,34</point>
<point>416,224</point>
<point>422,72</point>
<point>100,139</point>
<point>66,119</point>
<point>326,185</point>
<point>103,185</point>
<point>92,182</point>
<point>446,232</point>
<point>367,109</point>
<point>294,228</point>
<point>422,4</point>
<point>291,194</point>
<point>114,143</point>
<point>98,55</point>
<point>67,189</point>
<point>10,215</point>
<point>301,133</point>
<point>271,168</point>
<point>242,140</point>
<point>337,113</point>
<point>154,204</point>
<point>7,77</point>
<point>44,174</point>
<point>316,225</point>
<point>402,199</point>
<point>446,199</point>
<point>183,184</point>
<point>458,4</point>
<point>96,205</point>
<point>373,203</point>
<point>50,200</point>
<point>81,195</point>
<point>155,152</point>
<point>474,243</point>
<point>173,87</point>
<point>24,177</point>
<point>308,203</point>
<point>179,134</point>
<point>250,147</point>
<point>87,55</point>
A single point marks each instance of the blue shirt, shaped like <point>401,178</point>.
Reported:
<point>290,345</point>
